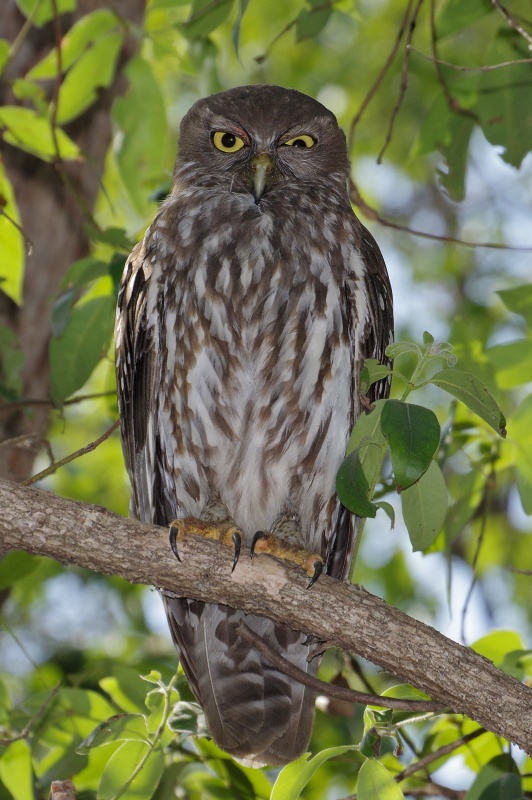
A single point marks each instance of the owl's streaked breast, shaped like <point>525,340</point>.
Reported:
<point>262,379</point>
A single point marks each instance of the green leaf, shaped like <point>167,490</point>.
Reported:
<point>123,764</point>
<point>518,664</point>
<point>4,54</point>
<point>16,771</point>
<point>521,442</point>
<point>11,363</point>
<point>293,778</point>
<point>205,16</point>
<point>519,300</point>
<point>235,33</point>
<point>76,353</point>
<point>398,348</point>
<point>504,103</point>
<point>499,779</point>
<point>81,35</point>
<point>352,486</point>
<point>11,242</point>
<point>413,433</point>
<point>119,728</point>
<point>424,507</point>
<point>95,69</point>
<point>15,565</point>
<point>456,155</point>
<point>376,783</point>
<point>497,644</point>
<point>512,363</point>
<point>141,115</point>
<point>471,391</point>
<point>311,21</point>
<point>188,718</point>
<point>28,131</point>
<point>456,15</point>
<point>82,272</point>
<point>372,372</point>
<point>42,11</point>
<point>126,688</point>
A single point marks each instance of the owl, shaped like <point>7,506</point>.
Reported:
<point>244,318</point>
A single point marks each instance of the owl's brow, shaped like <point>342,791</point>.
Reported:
<point>233,127</point>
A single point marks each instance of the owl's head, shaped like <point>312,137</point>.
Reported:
<point>258,138</point>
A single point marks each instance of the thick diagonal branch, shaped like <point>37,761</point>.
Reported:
<point>341,615</point>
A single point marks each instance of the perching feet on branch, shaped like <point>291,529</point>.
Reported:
<point>231,536</point>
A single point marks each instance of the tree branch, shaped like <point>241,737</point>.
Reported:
<point>341,615</point>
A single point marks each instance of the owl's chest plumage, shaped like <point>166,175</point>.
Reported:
<point>255,365</point>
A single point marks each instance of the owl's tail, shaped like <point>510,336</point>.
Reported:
<point>254,712</point>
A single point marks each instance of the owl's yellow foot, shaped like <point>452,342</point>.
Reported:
<point>225,532</point>
<point>265,542</point>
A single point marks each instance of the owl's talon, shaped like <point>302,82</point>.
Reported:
<point>256,537</point>
<point>172,534</point>
<point>318,569</point>
<point>237,542</point>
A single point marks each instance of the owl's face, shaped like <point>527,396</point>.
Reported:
<point>257,139</point>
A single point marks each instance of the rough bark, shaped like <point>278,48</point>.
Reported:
<point>341,615</point>
<point>52,218</point>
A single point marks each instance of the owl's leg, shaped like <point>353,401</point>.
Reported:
<point>214,523</point>
<point>283,541</point>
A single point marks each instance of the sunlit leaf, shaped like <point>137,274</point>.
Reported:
<point>235,33</point>
<point>424,506</point>
<point>11,241</point>
<point>83,33</point>
<point>16,771</point>
<point>4,54</point>
<point>521,443</point>
<point>74,355</point>
<point>376,783</point>
<point>188,718</point>
<point>497,644</point>
<point>95,69</point>
<point>123,764</point>
<point>293,778</point>
<point>28,131</point>
<point>125,688</point>
<point>82,272</point>
<point>42,11</point>
<point>413,433</point>
<point>471,391</point>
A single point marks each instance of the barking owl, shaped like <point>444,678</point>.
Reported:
<point>244,318</point>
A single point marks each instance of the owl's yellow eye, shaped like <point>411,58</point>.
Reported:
<point>227,142</point>
<point>304,140</point>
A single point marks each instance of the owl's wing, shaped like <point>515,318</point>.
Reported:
<point>135,369</point>
<point>376,328</point>
<point>369,315</point>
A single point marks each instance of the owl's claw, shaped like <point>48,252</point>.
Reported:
<point>265,542</point>
<point>237,543</point>
<point>172,535</point>
<point>225,532</point>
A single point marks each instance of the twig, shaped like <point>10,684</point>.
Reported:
<point>512,22</point>
<point>452,102</point>
<point>373,214</point>
<point>29,724</point>
<point>80,398</point>
<point>404,81</point>
<point>380,77</point>
<point>444,750</point>
<point>331,690</point>
<point>27,241</point>
<point>81,452</point>
<point>460,68</point>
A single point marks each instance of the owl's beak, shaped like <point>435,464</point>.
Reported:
<point>261,168</point>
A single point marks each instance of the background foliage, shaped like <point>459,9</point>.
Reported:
<point>436,98</point>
